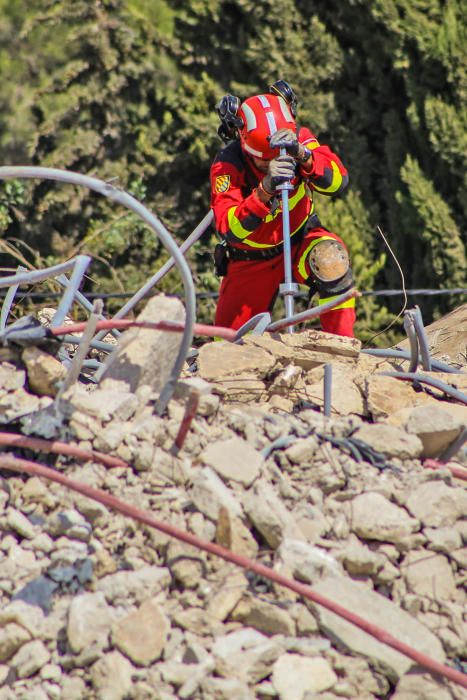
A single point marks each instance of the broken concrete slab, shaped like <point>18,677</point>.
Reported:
<point>321,341</point>
<point>386,395</point>
<point>269,515</point>
<point>390,440</point>
<point>142,634</point>
<point>245,654</point>
<point>222,359</point>
<point>209,494</point>
<point>346,397</point>
<point>428,574</point>
<point>144,355</point>
<point>380,611</point>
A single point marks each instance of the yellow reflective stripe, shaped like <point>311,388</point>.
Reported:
<point>293,201</point>
<point>349,304</point>
<point>304,255</point>
<point>235,225</point>
<point>336,180</point>
<point>253,244</point>
<point>311,145</point>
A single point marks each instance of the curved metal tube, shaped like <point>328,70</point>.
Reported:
<point>423,379</point>
<point>192,238</point>
<point>78,264</point>
<point>82,300</point>
<point>159,229</point>
<point>404,355</point>
<point>66,302</point>
<point>32,276</point>
<point>8,301</point>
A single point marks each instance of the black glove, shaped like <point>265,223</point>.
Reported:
<point>286,138</point>
<point>280,170</point>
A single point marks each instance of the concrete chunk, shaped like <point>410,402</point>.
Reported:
<point>222,359</point>
<point>380,611</point>
<point>145,355</point>
<point>390,440</point>
<point>142,634</point>
<point>234,460</point>
<point>376,518</point>
<point>295,677</point>
<point>209,494</point>
<point>436,428</point>
<point>269,515</point>
<point>436,504</point>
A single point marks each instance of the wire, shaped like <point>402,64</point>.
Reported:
<point>214,295</point>
<point>414,292</point>
<point>404,291</point>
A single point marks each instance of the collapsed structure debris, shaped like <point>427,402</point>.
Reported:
<point>270,529</point>
<point>342,505</point>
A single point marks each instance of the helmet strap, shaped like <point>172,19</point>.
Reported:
<point>284,90</point>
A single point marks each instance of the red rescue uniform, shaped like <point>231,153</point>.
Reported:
<point>247,224</point>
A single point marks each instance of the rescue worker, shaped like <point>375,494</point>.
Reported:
<point>247,210</point>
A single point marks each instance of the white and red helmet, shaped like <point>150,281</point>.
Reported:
<point>262,116</point>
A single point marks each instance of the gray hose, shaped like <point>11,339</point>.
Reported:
<point>404,355</point>
<point>314,312</point>
<point>153,222</point>
<point>8,301</point>
<point>97,344</point>
<point>423,379</point>
<point>33,276</point>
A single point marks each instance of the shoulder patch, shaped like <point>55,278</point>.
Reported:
<point>222,183</point>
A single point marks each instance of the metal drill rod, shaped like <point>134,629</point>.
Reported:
<point>288,289</point>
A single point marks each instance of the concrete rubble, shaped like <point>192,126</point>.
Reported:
<point>94,605</point>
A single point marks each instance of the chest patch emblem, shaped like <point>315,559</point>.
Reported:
<point>222,183</point>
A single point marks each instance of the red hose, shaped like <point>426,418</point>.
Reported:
<point>459,472</point>
<point>60,448</point>
<point>21,465</point>
<point>123,323</point>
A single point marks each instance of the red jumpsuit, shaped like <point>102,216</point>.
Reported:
<point>246,223</point>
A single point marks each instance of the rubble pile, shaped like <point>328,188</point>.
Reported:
<point>97,605</point>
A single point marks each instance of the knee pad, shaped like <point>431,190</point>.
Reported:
<point>328,260</point>
<point>330,267</point>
